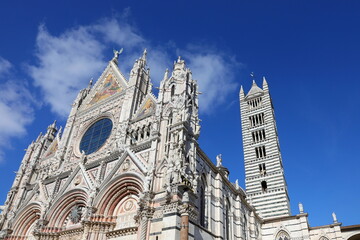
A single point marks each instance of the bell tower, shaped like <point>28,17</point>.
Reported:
<point>264,174</point>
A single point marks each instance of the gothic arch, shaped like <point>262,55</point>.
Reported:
<point>161,175</point>
<point>62,207</point>
<point>227,219</point>
<point>282,234</point>
<point>115,191</point>
<point>355,236</point>
<point>202,188</point>
<point>26,220</point>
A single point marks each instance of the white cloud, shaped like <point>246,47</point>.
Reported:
<point>16,111</point>
<point>66,62</point>
<point>5,66</point>
<point>215,74</point>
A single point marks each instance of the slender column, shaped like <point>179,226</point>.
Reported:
<point>184,227</point>
<point>144,224</point>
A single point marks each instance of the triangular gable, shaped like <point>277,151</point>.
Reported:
<point>31,195</point>
<point>128,165</point>
<point>52,148</point>
<point>108,87</point>
<point>50,188</point>
<point>147,107</point>
<point>135,165</point>
<point>77,179</point>
<point>110,82</point>
<point>93,174</point>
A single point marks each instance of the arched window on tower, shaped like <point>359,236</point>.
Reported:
<point>172,91</point>
<point>282,235</point>
<point>202,206</point>
<point>264,186</point>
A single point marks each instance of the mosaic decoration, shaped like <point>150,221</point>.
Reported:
<point>147,108</point>
<point>52,149</point>
<point>108,88</point>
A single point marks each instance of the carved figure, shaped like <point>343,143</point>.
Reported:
<point>334,217</point>
<point>148,180</point>
<point>237,184</point>
<point>301,208</point>
<point>83,157</point>
<point>117,53</point>
<point>218,160</point>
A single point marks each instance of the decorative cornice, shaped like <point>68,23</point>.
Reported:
<point>122,232</point>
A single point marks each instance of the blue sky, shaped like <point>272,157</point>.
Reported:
<point>309,52</point>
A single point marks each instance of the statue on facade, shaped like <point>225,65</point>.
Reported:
<point>117,53</point>
<point>83,157</point>
<point>334,217</point>
<point>148,179</point>
<point>301,208</point>
<point>177,172</point>
<point>218,160</point>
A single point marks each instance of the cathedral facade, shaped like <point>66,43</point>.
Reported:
<point>127,165</point>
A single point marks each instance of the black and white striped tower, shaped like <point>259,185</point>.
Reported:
<point>264,174</point>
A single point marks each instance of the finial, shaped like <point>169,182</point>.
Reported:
<point>241,93</point>
<point>252,75</point>
<point>166,74</point>
<point>52,125</point>
<point>179,59</point>
<point>59,132</point>
<point>91,82</point>
<point>237,184</point>
<point>144,54</point>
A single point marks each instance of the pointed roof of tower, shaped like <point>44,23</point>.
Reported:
<point>144,54</point>
<point>264,81</point>
<point>255,90</point>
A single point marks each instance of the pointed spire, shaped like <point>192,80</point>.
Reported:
<point>265,84</point>
<point>38,138</point>
<point>53,125</point>
<point>264,81</point>
<point>59,132</point>
<point>166,74</point>
<point>241,93</point>
<point>144,55</point>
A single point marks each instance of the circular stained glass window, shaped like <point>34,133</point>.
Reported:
<point>96,136</point>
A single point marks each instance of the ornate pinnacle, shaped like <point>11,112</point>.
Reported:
<point>144,54</point>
